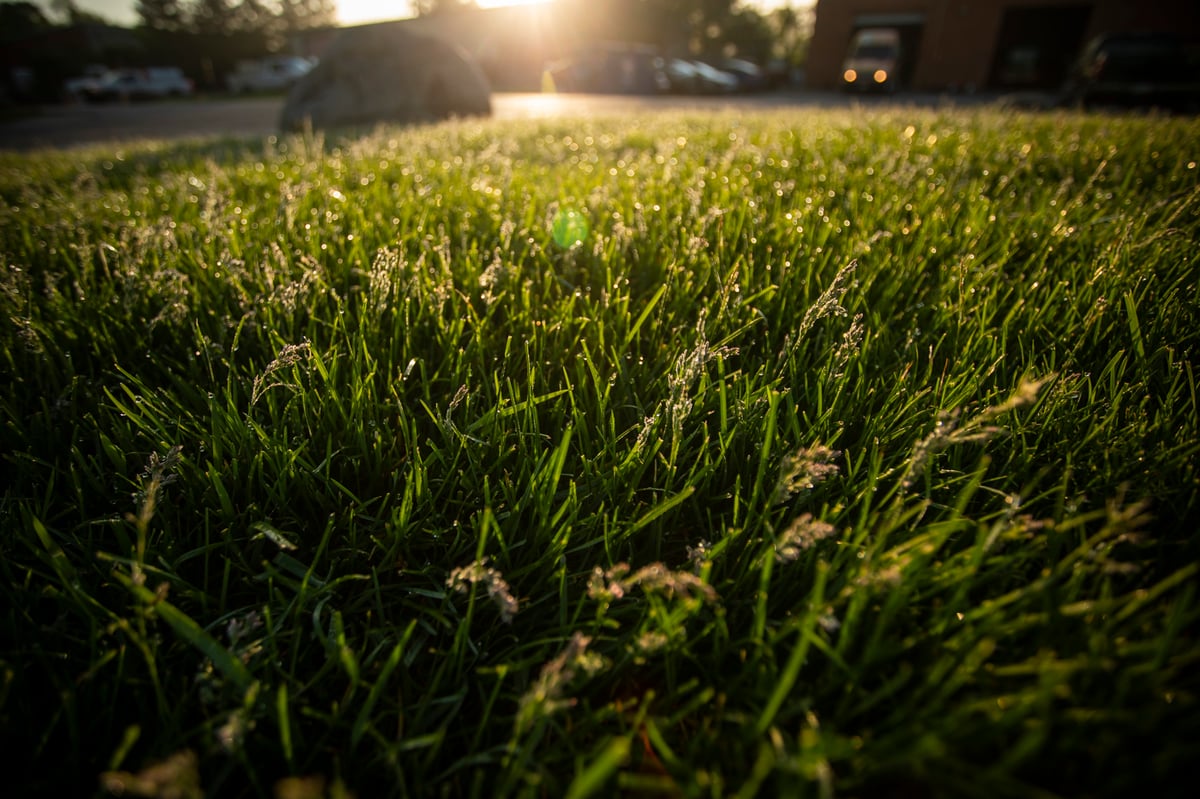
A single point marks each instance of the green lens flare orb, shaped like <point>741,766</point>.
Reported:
<point>570,228</point>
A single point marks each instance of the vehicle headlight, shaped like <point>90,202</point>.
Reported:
<point>881,76</point>
<point>850,76</point>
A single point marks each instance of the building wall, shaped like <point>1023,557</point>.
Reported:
<point>961,42</point>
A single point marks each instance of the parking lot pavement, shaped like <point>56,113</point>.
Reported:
<point>63,126</point>
<point>79,124</point>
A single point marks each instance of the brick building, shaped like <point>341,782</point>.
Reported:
<point>987,44</point>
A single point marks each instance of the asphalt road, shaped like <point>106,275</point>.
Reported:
<point>65,126</point>
<point>72,125</point>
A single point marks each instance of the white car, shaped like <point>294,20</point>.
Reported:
<point>80,87</point>
<point>141,84</point>
<point>272,74</point>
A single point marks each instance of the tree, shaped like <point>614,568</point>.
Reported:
<point>708,23</point>
<point>18,20</point>
<point>162,15</point>
<point>747,34</point>
<point>212,17</point>
<point>294,15</point>
<point>684,27</point>
<point>251,15</point>
<point>792,30</point>
<point>271,18</point>
<point>72,14</point>
<point>428,8</point>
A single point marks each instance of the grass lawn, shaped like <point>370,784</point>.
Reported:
<point>820,453</point>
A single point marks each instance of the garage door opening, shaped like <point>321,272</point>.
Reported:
<point>1037,45</point>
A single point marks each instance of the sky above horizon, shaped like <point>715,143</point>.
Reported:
<point>350,12</point>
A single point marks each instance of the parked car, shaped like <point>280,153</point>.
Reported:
<point>1151,70</point>
<point>872,61</point>
<point>610,67</point>
<point>750,76</point>
<point>681,76</point>
<point>78,88</point>
<point>713,80</point>
<point>271,74</point>
<point>148,83</point>
<point>697,77</point>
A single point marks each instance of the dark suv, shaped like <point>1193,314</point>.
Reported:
<point>1136,70</point>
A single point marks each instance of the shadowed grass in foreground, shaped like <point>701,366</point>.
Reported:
<point>826,453</point>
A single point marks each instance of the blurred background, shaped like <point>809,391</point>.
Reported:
<point>60,49</point>
<point>1081,51</point>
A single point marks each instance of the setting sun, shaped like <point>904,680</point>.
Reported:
<point>357,12</point>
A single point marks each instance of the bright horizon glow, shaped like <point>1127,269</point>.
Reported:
<point>349,12</point>
<point>360,12</point>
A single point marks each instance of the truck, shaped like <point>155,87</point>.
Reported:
<point>872,61</point>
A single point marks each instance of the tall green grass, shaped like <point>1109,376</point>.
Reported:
<point>840,453</point>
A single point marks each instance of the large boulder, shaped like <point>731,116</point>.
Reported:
<point>382,73</point>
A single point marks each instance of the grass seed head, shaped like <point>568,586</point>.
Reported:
<point>801,534</point>
<point>159,472</point>
<point>548,694</point>
<point>699,555</point>
<point>850,344</point>
<point>463,577</point>
<point>804,470</point>
<point>608,585</point>
<point>948,430</point>
<point>650,642</point>
<point>828,304</point>
<point>290,355</point>
<point>177,777</point>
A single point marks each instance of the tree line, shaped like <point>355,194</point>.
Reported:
<point>711,28</point>
<point>702,28</point>
<point>206,38</point>
<point>271,19</point>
